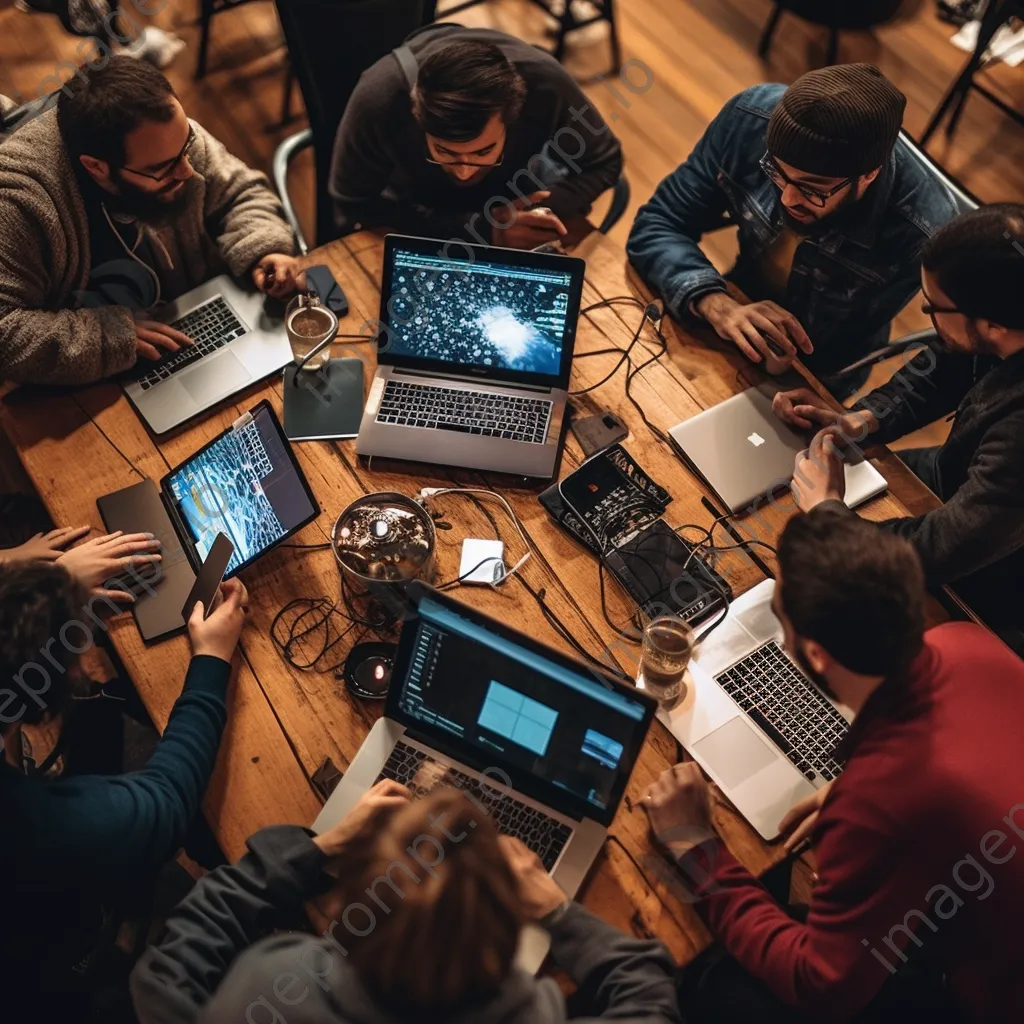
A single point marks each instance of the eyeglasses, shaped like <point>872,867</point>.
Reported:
<point>173,165</point>
<point>465,163</point>
<point>816,198</point>
<point>929,310</point>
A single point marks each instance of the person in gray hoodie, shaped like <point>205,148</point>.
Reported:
<point>424,907</point>
<point>111,204</point>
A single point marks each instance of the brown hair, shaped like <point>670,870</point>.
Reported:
<point>855,589</point>
<point>431,905</point>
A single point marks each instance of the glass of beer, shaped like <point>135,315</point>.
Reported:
<point>667,648</point>
<point>309,324</point>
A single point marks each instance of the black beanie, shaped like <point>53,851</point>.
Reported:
<point>839,122</point>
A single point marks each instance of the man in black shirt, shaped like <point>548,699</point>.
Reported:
<point>972,271</point>
<point>473,135</point>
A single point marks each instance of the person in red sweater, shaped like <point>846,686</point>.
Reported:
<point>918,908</point>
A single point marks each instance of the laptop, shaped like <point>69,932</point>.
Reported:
<point>554,740</point>
<point>759,727</point>
<point>743,452</point>
<point>474,357</point>
<point>237,342</point>
<point>246,483</point>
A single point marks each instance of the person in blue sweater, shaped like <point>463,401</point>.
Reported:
<point>69,845</point>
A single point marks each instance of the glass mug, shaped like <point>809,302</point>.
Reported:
<point>666,653</point>
<point>310,324</point>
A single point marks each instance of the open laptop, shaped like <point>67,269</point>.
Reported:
<point>246,483</point>
<point>743,451</point>
<point>555,740</point>
<point>763,731</point>
<point>474,356</point>
<point>237,342</point>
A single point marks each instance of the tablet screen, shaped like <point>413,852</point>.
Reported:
<point>246,484</point>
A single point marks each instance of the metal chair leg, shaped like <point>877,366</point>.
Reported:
<point>769,31</point>
<point>613,29</point>
<point>205,19</point>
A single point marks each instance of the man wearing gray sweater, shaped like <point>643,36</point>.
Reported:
<point>418,920</point>
<point>114,203</point>
<point>972,271</point>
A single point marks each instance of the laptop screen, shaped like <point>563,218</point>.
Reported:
<point>482,311</point>
<point>246,484</point>
<point>519,708</point>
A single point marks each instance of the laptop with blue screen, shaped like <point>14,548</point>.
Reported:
<point>474,352</point>
<point>543,743</point>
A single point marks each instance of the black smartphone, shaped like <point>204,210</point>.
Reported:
<point>320,279</point>
<point>595,433</point>
<point>211,574</point>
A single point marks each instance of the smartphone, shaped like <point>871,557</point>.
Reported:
<point>211,574</point>
<point>320,279</point>
<point>595,433</point>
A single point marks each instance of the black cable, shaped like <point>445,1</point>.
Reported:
<point>625,357</point>
<point>466,575</point>
<point>307,547</point>
<point>322,612</point>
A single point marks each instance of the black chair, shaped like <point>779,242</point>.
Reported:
<point>207,9</point>
<point>568,22</point>
<point>835,15</point>
<point>995,15</point>
<point>965,201</point>
<point>331,43</point>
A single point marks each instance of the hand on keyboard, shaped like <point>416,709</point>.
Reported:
<point>153,339</point>
<point>540,893</point>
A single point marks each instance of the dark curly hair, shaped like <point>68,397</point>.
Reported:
<point>41,608</point>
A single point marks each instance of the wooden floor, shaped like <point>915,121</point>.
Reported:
<point>697,53</point>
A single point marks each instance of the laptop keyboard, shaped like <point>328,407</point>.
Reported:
<point>545,835</point>
<point>468,412</point>
<point>794,714</point>
<point>210,326</point>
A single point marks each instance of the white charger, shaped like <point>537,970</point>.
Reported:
<point>482,561</point>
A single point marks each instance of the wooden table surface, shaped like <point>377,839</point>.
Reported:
<point>284,723</point>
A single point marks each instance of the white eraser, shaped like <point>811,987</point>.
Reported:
<point>488,552</point>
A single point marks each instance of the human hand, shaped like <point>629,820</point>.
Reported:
<point>679,808</point>
<point>806,410</point>
<point>218,635</point>
<point>820,474</point>
<point>540,893</point>
<point>44,547</point>
<point>279,276</point>
<point>97,560</point>
<point>153,339</point>
<point>747,326</point>
<point>803,817</point>
<point>526,228</point>
<point>385,794</point>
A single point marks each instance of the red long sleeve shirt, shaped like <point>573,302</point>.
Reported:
<point>921,840</point>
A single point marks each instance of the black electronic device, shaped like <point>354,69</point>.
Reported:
<point>612,494</point>
<point>595,433</point>
<point>368,668</point>
<point>209,578</point>
<point>320,280</point>
<point>661,572</point>
<point>611,506</point>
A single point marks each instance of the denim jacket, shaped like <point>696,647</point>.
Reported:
<point>846,284</point>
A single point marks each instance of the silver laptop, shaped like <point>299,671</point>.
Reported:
<point>744,452</point>
<point>763,731</point>
<point>474,356</point>
<point>237,343</point>
<point>545,745</point>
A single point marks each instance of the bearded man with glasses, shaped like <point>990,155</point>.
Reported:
<point>110,205</point>
<point>832,210</point>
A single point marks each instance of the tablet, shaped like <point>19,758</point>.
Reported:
<point>246,484</point>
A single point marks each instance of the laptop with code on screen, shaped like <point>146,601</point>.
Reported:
<point>474,353</point>
<point>543,743</point>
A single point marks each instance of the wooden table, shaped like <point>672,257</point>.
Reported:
<point>284,723</point>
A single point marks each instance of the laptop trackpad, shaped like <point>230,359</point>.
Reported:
<point>734,752</point>
<point>218,376</point>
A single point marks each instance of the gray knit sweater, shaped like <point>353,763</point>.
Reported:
<point>232,220</point>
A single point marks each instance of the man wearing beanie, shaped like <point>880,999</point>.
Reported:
<point>832,211</point>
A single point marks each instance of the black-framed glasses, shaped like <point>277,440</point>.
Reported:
<point>456,162</point>
<point>173,165</point>
<point>931,310</point>
<point>814,196</point>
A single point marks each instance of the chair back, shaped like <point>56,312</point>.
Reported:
<point>331,43</point>
<point>965,200</point>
